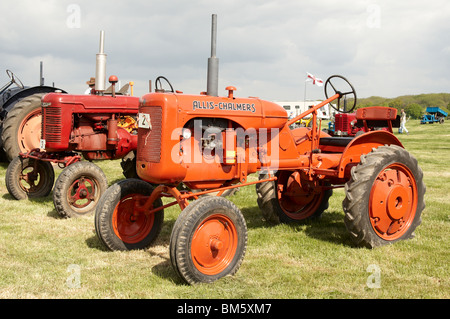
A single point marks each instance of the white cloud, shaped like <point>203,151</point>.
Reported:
<point>265,48</point>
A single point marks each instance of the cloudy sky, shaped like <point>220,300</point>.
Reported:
<point>385,48</point>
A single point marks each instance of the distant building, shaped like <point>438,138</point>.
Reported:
<point>297,107</point>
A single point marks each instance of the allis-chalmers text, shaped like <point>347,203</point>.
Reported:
<point>225,106</point>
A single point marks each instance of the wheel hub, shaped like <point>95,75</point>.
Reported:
<point>214,244</point>
<point>393,201</point>
<point>129,226</point>
<point>30,131</point>
<point>397,203</point>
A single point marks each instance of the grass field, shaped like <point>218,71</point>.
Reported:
<point>45,256</point>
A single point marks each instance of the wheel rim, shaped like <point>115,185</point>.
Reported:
<point>393,202</point>
<point>32,179</point>
<point>29,132</point>
<point>295,202</point>
<point>214,244</point>
<point>129,226</point>
<point>82,193</point>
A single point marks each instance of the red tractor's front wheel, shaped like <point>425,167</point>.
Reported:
<point>208,240</point>
<point>118,222</point>
<point>78,189</point>
<point>28,178</point>
<point>384,197</point>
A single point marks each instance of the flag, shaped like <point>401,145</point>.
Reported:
<point>315,81</point>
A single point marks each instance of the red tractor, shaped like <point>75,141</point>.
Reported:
<point>212,144</point>
<point>75,126</point>
<point>98,126</point>
<point>351,124</point>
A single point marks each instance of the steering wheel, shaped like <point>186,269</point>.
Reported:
<point>330,87</point>
<point>158,85</point>
<point>14,79</point>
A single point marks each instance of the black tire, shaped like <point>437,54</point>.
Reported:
<point>273,211</point>
<point>128,165</point>
<point>115,206</point>
<point>3,157</point>
<point>24,181</point>
<point>384,197</point>
<point>78,189</point>
<point>175,233</point>
<point>199,256</point>
<point>12,126</point>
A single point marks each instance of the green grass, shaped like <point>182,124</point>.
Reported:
<point>315,259</point>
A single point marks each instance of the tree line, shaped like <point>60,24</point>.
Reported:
<point>414,105</point>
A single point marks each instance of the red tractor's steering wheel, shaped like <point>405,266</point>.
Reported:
<point>14,79</point>
<point>341,107</point>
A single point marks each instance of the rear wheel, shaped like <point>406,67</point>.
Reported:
<point>22,126</point>
<point>208,240</point>
<point>29,178</point>
<point>78,189</point>
<point>117,222</point>
<point>128,165</point>
<point>384,197</point>
<point>291,198</point>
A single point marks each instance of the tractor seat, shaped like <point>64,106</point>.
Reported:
<point>335,141</point>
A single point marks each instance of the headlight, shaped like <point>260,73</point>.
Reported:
<point>186,133</point>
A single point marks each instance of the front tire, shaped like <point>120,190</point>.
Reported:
<point>208,240</point>
<point>78,189</point>
<point>384,197</point>
<point>116,223</point>
<point>29,178</point>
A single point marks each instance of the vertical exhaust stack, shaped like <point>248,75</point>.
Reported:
<point>41,75</point>
<point>100,66</point>
<point>213,62</point>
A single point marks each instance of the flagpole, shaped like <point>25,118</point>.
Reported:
<point>304,94</point>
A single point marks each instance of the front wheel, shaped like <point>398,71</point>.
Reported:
<point>208,240</point>
<point>29,178</point>
<point>119,225</point>
<point>384,197</point>
<point>78,189</point>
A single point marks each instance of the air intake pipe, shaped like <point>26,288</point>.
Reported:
<point>100,66</point>
<point>213,63</point>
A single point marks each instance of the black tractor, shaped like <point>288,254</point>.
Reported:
<point>20,116</point>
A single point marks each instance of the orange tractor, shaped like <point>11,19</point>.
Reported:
<point>212,144</point>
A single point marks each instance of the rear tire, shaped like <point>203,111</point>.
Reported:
<point>384,197</point>
<point>24,181</point>
<point>116,225</point>
<point>78,189</point>
<point>208,240</point>
<point>286,208</point>
<point>128,165</point>
<point>22,126</point>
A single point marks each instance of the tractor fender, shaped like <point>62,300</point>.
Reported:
<point>13,99</point>
<point>361,145</point>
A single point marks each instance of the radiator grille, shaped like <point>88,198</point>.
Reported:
<point>51,124</point>
<point>149,140</point>
<point>338,123</point>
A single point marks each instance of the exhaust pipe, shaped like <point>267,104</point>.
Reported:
<point>100,66</point>
<point>41,75</point>
<point>213,62</point>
